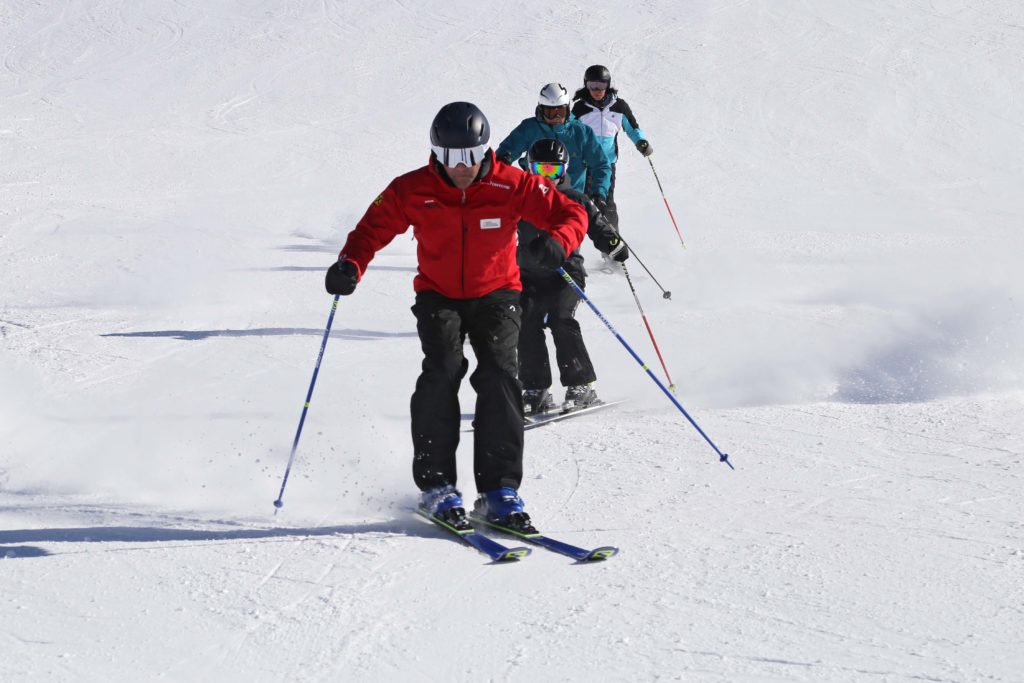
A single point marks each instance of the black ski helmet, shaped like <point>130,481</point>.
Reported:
<point>459,125</point>
<point>597,73</point>
<point>548,151</point>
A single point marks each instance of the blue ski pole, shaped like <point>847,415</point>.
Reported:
<point>722,457</point>
<point>305,408</point>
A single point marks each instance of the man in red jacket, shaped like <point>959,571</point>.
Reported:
<point>464,208</point>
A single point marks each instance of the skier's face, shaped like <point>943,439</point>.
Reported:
<point>554,115</point>
<point>597,89</point>
<point>462,176</point>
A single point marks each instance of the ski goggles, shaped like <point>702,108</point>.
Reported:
<point>547,169</point>
<point>561,111</point>
<point>452,156</point>
<point>597,85</point>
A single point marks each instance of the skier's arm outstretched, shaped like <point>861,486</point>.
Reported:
<point>381,223</point>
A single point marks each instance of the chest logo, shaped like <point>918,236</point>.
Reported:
<point>490,223</point>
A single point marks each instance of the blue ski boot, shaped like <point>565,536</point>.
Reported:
<point>504,508</point>
<point>444,503</point>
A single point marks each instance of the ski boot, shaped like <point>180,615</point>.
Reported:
<point>579,396</point>
<point>536,401</point>
<point>444,503</point>
<point>504,508</point>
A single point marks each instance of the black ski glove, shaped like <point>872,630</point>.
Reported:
<point>618,252</point>
<point>614,247</point>
<point>547,251</point>
<point>342,278</point>
<point>600,202</point>
<point>644,148</point>
<point>506,159</point>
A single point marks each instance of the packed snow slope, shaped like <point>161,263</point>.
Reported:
<point>845,321</point>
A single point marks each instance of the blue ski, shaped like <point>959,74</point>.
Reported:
<point>577,553</point>
<point>488,546</point>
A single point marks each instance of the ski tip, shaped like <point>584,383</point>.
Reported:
<point>602,553</point>
<point>513,555</point>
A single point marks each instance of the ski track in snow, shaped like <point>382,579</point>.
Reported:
<point>845,323</point>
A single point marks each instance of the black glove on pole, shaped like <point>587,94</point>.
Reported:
<point>547,251</point>
<point>644,148</point>
<point>612,246</point>
<point>342,278</point>
<point>618,251</point>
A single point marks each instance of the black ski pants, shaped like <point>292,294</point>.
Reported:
<point>552,306</point>
<point>492,324</point>
<point>611,212</point>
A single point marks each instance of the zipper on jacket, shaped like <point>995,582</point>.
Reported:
<point>464,231</point>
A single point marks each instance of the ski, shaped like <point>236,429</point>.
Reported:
<point>541,419</point>
<point>576,552</point>
<point>488,546</point>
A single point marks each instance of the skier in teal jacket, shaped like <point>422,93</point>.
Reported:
<point>552,120</point>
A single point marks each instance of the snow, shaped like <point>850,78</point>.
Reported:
<point>845,322</point>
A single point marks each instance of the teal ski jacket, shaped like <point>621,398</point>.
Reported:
<point>586,156</point>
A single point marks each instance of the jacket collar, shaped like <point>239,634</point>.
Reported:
<point>607,101</point>
<point>555,129</point>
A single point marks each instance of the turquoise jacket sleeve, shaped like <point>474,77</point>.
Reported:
<point>599,170</point>
<point>635,134</point>
<point>518,141</point>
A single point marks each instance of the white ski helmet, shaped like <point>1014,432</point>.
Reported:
<point>554,95</point>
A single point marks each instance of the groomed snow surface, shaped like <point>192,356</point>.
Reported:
<point>846,322</point>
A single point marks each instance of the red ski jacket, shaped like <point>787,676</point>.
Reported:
<point>466,238</point>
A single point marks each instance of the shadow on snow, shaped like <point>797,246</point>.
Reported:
<point>197,335</point>
<point>153,534</point>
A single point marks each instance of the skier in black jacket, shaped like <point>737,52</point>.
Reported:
<point>548,300</point>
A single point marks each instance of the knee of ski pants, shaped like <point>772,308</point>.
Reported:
<point>562,311</point>
<point>533,312</point>
<point>496,337</point>
<point>557,323</point>
<point>441,339</point>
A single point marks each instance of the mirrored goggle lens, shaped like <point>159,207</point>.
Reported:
<point>547,170</point>
<point>597,85</point>
<point>554,112</point>
<point>452,157</point>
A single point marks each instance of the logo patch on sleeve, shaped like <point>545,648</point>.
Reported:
<point>490,223</point>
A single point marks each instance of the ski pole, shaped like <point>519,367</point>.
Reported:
<point>664,293</point>
<point>722,457</point>
<point>309,395</point>
<point>665,199</point>
<point>650,332</point>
